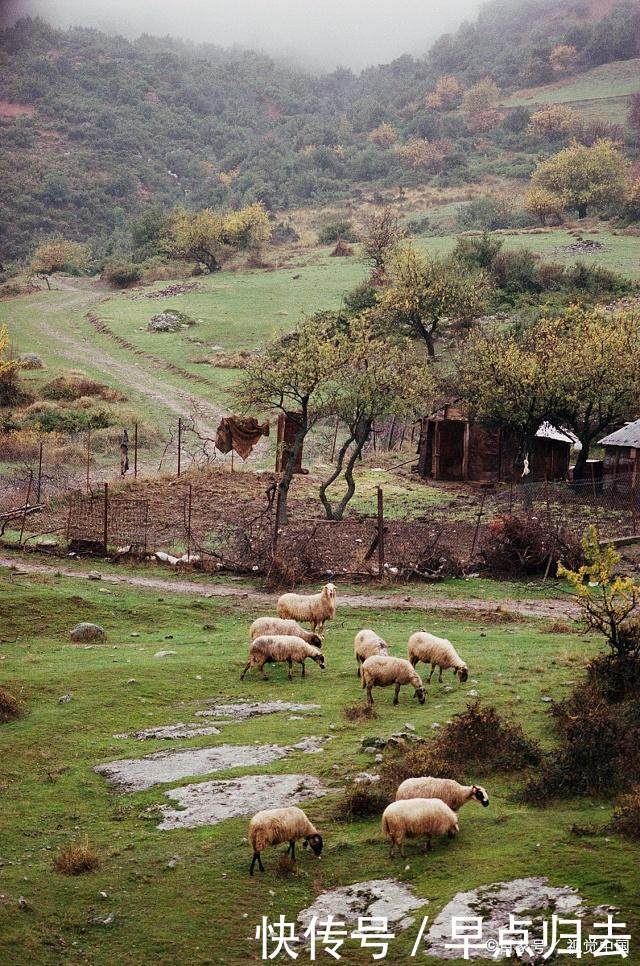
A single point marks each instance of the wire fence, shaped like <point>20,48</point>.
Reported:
<point>226,520</point>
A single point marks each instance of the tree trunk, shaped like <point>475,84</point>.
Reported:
<point>582,211</point>
<point>359,435</point>
<point>425,334</point>
<point>287,476</point>
<point>334,476</point>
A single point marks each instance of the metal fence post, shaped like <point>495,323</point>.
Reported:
<point>179,443</point>
<point>39,486</point>
<point>135,451</point>
<point>88,458</point>
<point>380,532</point>
<point>189,525</point>
<point>477,529</point>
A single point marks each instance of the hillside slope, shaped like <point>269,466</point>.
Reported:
<point>94,129</point>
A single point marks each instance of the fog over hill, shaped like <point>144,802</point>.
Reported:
<point>324,34</point>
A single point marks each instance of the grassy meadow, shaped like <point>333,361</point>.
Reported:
<point>185,895</point>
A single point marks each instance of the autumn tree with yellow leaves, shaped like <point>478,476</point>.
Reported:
<point>209,236</point>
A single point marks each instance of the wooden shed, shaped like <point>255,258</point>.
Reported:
<point>453,447</point>
<point>622,453</point>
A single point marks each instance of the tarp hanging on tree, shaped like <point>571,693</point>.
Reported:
<point>241,435</point>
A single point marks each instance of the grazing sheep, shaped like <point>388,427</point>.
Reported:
<point>273,826</point>
<point>382,671</point>
<point>452,793</point>
<point>314,609</point>
<point>272,648</point>
<point>416,817</point>
<point>366,644</point>
<point>275,625</point>
<point>438,652</point>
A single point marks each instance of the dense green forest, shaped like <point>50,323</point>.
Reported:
<point>95,129</point>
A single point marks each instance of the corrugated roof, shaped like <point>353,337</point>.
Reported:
<point>547,431</point>
<point>629,435</point>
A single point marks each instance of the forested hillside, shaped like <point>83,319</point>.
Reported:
<point>95,129</point>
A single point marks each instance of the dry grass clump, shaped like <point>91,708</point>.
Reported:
<point>10,707</point>
<point>478,739</point>
<point>76,858</point>
<point>364,800</point>
<point>286,867</point>
<point>359,712</point>
<point>560,627</point>
<point>75,385</point>
<point>626,816</point>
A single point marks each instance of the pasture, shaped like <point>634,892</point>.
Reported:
<point>184,895</point>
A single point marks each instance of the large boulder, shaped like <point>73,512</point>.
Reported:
<point>88,632</point>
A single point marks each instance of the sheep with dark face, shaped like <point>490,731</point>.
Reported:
<point>274,826</point>
<point>439,653</point>
<point>452,793</point>
<point>275,648</point>
<point>382,671</point>
<point>314,609</point>
<point>417,817</point>
<point>277,625</point>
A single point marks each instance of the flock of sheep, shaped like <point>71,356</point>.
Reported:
<point>424,807</point>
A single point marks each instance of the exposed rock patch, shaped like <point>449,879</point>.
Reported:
<point>179,730</point>
<point>376,897</point>
<point>138,774</point>
<point>241,710</point>
<point>495,903</point>
<point>208,803</point>
<point>86,631</point>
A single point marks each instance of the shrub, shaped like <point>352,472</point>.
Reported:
<point>362,297</point>
<point>121,273</point>
<point>74,386</point>
<point>10,706</point>
<point>52,418</point>
<point>338,229</point>
<point>626,816</point>
<point>76,858</point>
<point>490,213</point>
<point>595,280</point>
<point>478,739</point>
<point>516,272</point>
<point>359,712</point>
<point>520,544</point>
<point>477,253</point>
<point>364,800</point>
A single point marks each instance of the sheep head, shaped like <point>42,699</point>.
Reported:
<point>462,673</point>
<point>480,795</point>
<point>313,842</point>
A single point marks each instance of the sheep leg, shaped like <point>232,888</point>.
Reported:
<point>369,695</point>
<point>414,660</point>
<point>402,851</point>
<point>358,671</point>
<point>262,674</point>
<point>395,697</point>
<point>440,676</point>
<point>392,850</point>
<point>290,663</point>
<point>247,666</point>
<point>293,850</point>
<point>304,673</point>
<point>256,857</point>
<point>433,667</point>
<point>427,845</point>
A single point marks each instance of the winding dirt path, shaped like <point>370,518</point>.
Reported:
<point>549,609</point>
<point>78,300</point>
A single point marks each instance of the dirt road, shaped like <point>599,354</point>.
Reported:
<point>550,609</point>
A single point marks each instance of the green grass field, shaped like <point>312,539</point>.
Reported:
<point>185,896</point>
<point>602,92</point>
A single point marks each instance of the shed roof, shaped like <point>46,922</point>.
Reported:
<point>629,435</point>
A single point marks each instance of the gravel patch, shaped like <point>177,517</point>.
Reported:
<point>208,803</point>
<point>376,897</point>
<point>250,709</point>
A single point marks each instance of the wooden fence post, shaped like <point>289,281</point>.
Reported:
<point>477,529</point>
<point>189,526</point>
<point>105,518</point>
<point>335,440</point>
<point>179,443</point>
<point>88,459</point>
<point>39,486</point>
<point>135,451</point>
<point>26,507</point>
<point>380,533</point>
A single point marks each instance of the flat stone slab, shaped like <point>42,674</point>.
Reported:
<point>241,710</point>
<point>375,897</point>
<point>138,774</point>
<point>179,730</point>
<point>525,898</point>
<point>207,803</point>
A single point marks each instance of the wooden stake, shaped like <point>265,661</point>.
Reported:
<point>135,451</point>
<point>477,530</point>
<point>39,488</point>
<point>26,507</point>
<point>179,443</point>
<point>189,526</point>
<point>88,458</point>
<point>380,533</point>
<point>105,520</point>
<point>335,440</point>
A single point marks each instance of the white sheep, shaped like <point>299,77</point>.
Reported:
<point>276,625</point>
<point>438,652</point>
<point>417,817</point>
<point>366,644</point>
<point>273,648</point>
<point>314,609</point>
<point>273,826</point>
<point>382,671</point>
<point>452,793</point>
